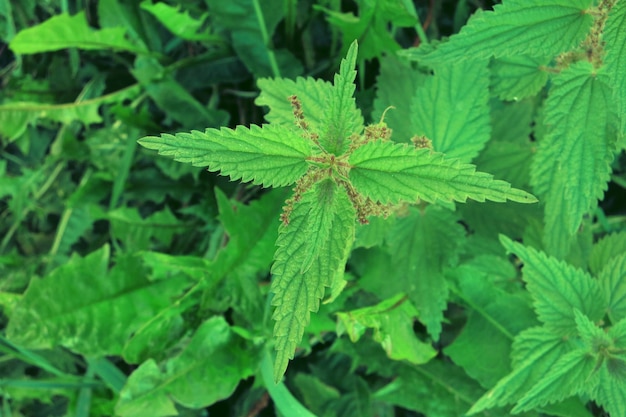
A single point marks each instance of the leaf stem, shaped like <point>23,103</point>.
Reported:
<point>266,39</point>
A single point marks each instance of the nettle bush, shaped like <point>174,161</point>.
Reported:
<point>378,245</point>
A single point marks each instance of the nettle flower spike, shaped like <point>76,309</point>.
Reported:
<point>343,172</point>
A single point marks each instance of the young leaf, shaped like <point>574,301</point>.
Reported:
<point>391,173</point>
<point>342,117</point>
<point>451,109</point>
<point>272,156</point>
<point>612,281</point>
<point>557,289</point>
<point>206,371</point>
<point>392,321</point>
<point>516,27</point>
<point>65,31</point>
<point>88,309</point>
<point>312,251</point>
<point>572,165</point>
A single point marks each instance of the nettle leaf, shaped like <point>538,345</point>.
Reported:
<point>88,309</point>
<point>206,371</point>
<point>535,352</point>
<point>422,245</point>
<point>518,77</point>
<point>271,156</point>
<point>452,109</point>
<point>391,173</point>
<point>571,168</point>
<point>312,252</point>
<point>516,27</point>
<point>609,391</point>
<point>392,321</point>
<point>614,38</point>
<point>557,289</point>
<point>606,249</point>
<point>65,31</point>
<point>612,281</point>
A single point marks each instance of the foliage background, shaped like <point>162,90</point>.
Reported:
<point>133,285</point>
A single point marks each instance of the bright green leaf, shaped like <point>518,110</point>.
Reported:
<point>178,22</point>
<point>64,31</point>
<point>272,156</point>
<point>612,280</point>
<point>516,27</point>
<point>557,289</point>
<point>614,38</point>
<point>517,77</point>
<point>606,249</point>
<point>572,165</point>
<point>389,172</point>
<point>451,109</point>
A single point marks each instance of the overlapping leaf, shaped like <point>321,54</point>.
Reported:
<point>572,165</point>
<point>271,156</point>
<point>614,39</point>
<point>613,283</point>
<point>518,77</point>
<point>529,27</point>
<point>389,172</point>
<point>606,249</point>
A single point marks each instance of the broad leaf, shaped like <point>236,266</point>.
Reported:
<point>452,110</point>
<point>517,77</point>
<point>206,371</point>
<point>608,391</point>
<point>614,38</point>
<point>516,27</point>
<point>612,281</point>
<point>392,321</point>
<point>557,289</point>
<point>272,156</point>
<point>88,309</point>
<point>391,173</point>
<point>65,31</point>
<point>572,165</point>
<point>606,249</point>
<point>312,251</point>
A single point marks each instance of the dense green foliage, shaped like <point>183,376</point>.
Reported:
<point>362,208</point>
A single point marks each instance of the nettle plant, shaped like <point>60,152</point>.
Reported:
<point>343,173</point>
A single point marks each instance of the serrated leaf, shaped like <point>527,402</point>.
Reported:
<point>16,117</point>
<point>451,109</point>
<point>608,392</point>
<point>342,117</point>
<point>606,249</point>
<point>392,173</point>
<point>422,246</point>
<point>557,289</point>
<point>309,258</point>
<point>65,31</point>
<point>396,86</point>
<point>612,281</point>
<point>572,165</point>
<point>614,38</point>
<point>271,156</point>
<point>516,27</point>
<point>312,93</point>
<point>88,309</point>
<point>206,371</point>
<point>535,351</point>
<point>517,77</point>
<point>392,321</point>
<point>568,377</point>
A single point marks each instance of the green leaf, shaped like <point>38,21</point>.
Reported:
<point>137,234</point>
<point>312,252</point>
<point>422,245</point>
<point>392,321</point>
<point>614,38</point>
<point>342,117</point>
<point>451,109</point>
<point>483,348</point>
<point>606,249</point>
<point>557,289</point>
<point>17,116</point>
<point>396,86</point>
<point>572,165</point>
<point>516,27</point>
<point>612,281</point>
<point>88,309</point>
<point>65,31</point>
<point>178,22</point>
<point>517,77</point>
<point>206,371</point>
<point>391,173</point>
<point>535,352</point>
<point>271,156</point>
<point>608,392</point>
